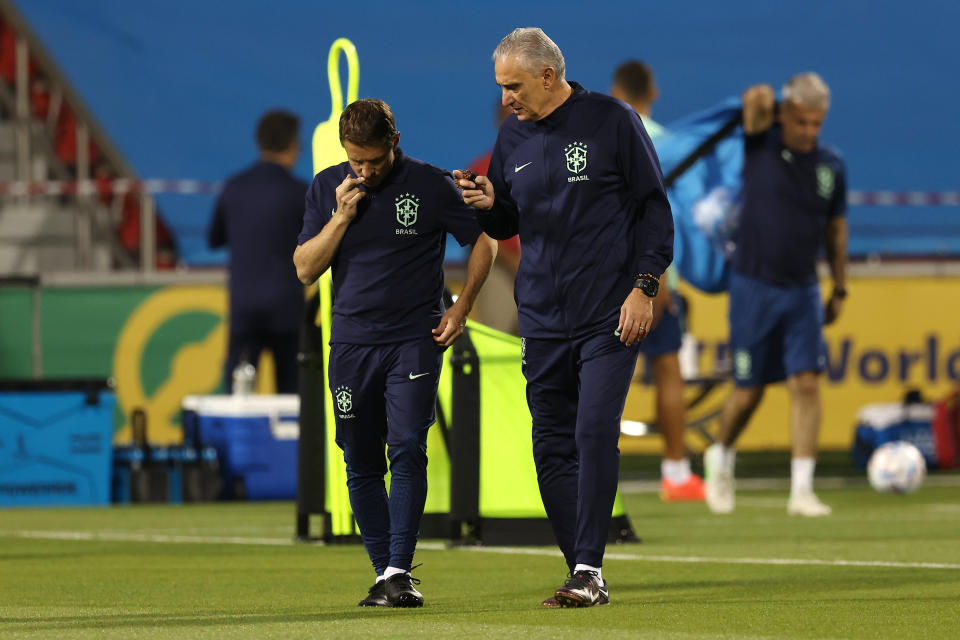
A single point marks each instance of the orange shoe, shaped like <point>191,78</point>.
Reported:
<point>690,491</point>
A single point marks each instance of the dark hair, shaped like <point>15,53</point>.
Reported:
<point>635,79</point>
<point>368,122</point>
<point>277,130</point>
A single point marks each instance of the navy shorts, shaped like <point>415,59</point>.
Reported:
<point>665,337</point>
<point>775,331</point>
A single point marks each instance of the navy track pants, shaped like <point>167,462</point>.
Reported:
<point>576,389</point>
<point>386,396</point>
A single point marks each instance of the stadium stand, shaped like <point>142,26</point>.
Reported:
<point>49,148</point>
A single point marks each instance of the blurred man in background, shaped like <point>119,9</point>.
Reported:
<point>633,82</point>
<point>597,234</point>
<point>258,216</point>
<point>380,220</point>
<point>794,203</point>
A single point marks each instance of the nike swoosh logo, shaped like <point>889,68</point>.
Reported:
<point>419,375</point>
<point>521,167</point>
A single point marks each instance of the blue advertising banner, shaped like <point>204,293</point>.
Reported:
<point>55,447</point>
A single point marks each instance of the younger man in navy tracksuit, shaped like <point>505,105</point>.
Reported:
<point>380,220</point>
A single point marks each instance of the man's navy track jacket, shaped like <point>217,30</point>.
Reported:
<point>584,190</point>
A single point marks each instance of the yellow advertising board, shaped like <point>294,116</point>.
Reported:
<point>895,333</point>
<point>173,344</point>
<point>163,342</point>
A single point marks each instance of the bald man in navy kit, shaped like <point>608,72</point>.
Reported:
<point>794,206</point>
<point>575,173</point>
<point>380,220</point>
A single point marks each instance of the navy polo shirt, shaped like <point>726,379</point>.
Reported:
<point>788,197</point>
<point>258,216</point>
<point>388,270</point>
<point>583,188</point>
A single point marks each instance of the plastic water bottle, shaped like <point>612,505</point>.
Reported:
<point>244,375</point>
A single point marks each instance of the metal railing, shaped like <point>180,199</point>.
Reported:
<point>95,217</point>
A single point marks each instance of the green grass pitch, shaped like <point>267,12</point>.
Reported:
<point>883,566</point>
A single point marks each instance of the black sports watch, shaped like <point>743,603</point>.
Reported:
<point>648,283</point>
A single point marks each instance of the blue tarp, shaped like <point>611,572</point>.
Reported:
<point>704,198</point>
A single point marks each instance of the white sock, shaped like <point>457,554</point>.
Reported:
<point>801,475</point>
<point>586,567</point>
<point>381,578</point>
<point>729,457</point>
<point>392,571</point>
<point>675,471</point>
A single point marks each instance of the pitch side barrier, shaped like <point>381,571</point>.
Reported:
<point>482,483</point>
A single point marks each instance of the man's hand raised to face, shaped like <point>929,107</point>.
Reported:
<point>348,195</point>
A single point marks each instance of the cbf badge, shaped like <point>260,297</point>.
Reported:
<point>576,155</point>
<point>825,181</point>
<point>344,397</point>
<point>407,205</point>
<point>742,364</point>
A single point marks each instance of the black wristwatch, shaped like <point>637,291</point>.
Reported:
<point>839,293</point>
<point>648,283</point>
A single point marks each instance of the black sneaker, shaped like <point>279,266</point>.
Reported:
<point>583,589</point>
<point>400,591</point>
<point>377,597</point>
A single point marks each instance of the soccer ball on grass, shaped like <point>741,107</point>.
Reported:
<point>896,466</point>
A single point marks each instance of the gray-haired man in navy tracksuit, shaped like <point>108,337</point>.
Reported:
<point>575,174</point>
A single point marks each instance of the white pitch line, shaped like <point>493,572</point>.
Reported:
<point>145,537</point>
<point>439,546</point>
<point>783,484</point>
<point>705,559</point>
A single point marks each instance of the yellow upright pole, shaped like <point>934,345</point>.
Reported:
<point>327,152</point>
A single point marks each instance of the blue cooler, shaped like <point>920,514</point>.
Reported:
<point>255,437</point>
